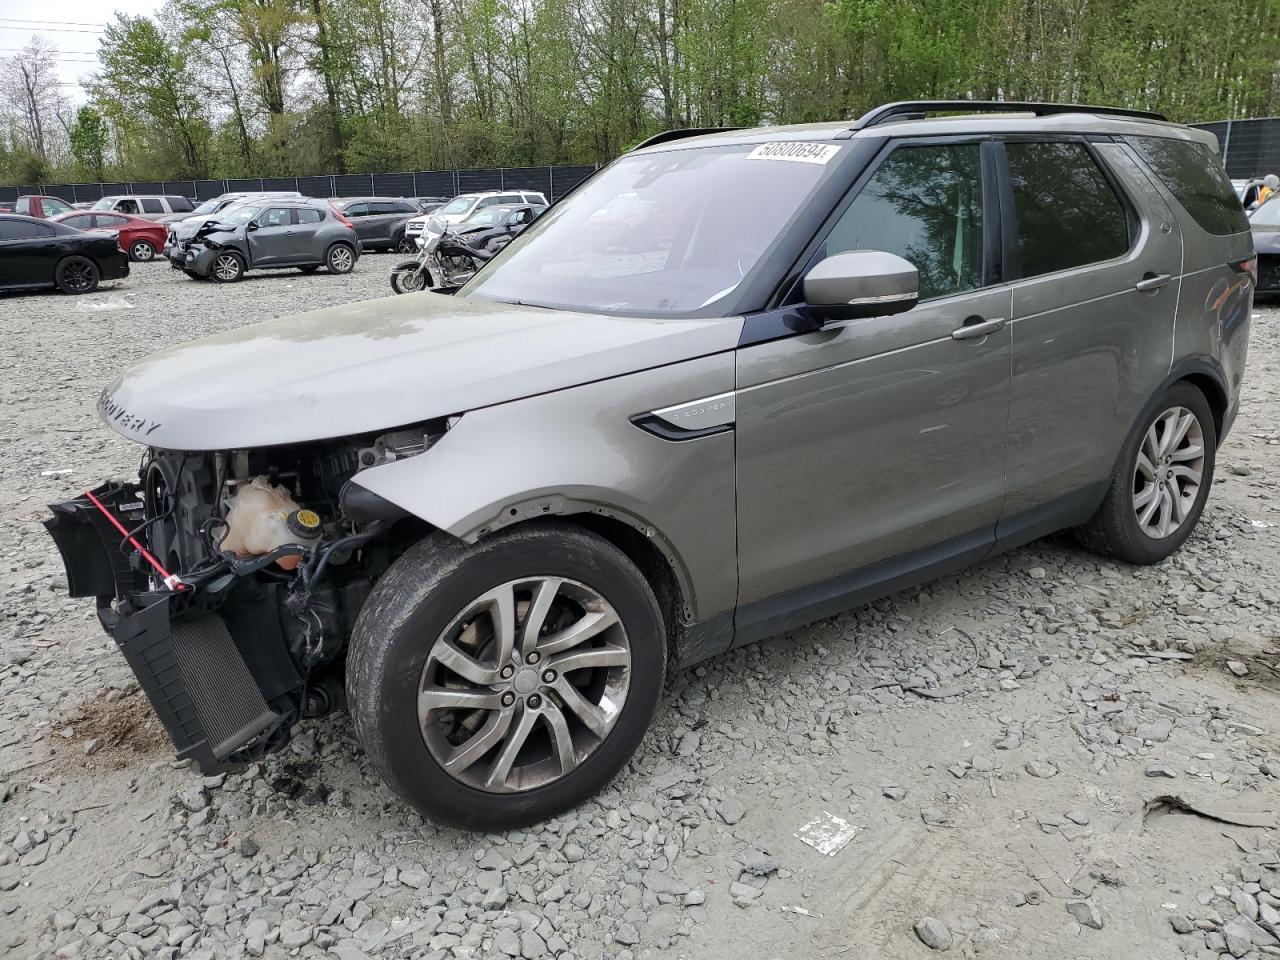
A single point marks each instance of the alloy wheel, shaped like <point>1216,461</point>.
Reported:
<point>226,267</point>
<point>340,260</point>
<point>524,684</point>
<point>78,276</point>
<point>1167,476</point>
<point>143,251</point>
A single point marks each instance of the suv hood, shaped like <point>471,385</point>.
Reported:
<point>381,364</point>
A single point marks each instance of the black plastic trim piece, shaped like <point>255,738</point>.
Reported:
<point>652,423</point>
<point>683,133</point>
<point>916,109</point>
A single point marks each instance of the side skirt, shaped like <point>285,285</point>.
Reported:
<point>804,605</point>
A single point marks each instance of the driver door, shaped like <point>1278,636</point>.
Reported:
<point>272,241</point>
<point>870,448</point>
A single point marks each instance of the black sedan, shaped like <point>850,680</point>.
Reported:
<point>492,228</point>
<point>38,253</point>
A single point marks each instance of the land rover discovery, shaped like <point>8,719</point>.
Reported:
<point>496,519</point>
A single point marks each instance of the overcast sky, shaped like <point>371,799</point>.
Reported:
<point>73,26</point>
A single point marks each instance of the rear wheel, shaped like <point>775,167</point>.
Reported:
<point>405,244</point>
<point>1161,484</point>
<point>340,258</point>
<point>499,684</point>
<point>142,251</point>
<point>228,267</point>
<point>77,275</point>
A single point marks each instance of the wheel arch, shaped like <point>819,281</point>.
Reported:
<point>1206,376</point>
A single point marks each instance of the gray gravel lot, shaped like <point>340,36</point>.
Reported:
<point>1046,756</point>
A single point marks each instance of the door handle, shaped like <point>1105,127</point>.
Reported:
<point>975,327</point>
<point>1152,281</point>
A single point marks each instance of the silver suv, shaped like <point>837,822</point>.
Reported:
<point>641,437</point>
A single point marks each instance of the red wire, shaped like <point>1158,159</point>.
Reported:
<point>170,580</point>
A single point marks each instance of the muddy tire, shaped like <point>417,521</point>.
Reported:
<point>499,684</point>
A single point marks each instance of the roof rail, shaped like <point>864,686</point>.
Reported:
<point>668,135</point>
<point>916,109</point>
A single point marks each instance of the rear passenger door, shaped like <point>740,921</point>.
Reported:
<point>1095,258</point>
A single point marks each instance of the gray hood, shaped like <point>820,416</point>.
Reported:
<point>383,363</point>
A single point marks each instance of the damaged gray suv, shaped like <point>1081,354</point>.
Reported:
<point>489,523</point>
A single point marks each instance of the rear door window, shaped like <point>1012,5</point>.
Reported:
<point>1194,175</point>
<point>23,230</point>
<point>179,204</point>
<point>357,210</point>
<point>308,215</point>
<point>1066,212</point>
<point>924,204</point>
<point>152,205</point>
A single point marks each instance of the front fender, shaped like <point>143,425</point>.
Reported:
<point>576,451</point>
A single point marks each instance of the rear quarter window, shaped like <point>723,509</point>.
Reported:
<point>1194,175</point>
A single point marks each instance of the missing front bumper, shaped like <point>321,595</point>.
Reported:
<point>215,667</point>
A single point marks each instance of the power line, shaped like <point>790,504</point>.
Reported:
<point>7,26</point>
<point>65,23</point>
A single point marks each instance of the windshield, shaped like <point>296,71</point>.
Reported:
<point>485,218</point>
<point>209,206</point>
<point>457,205</point>
<point>236,216</point>
<point>659,233</point>
<point>104,204</point>
<point>1267,215</point>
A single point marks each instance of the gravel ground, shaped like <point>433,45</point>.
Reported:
<point>1046,756</point>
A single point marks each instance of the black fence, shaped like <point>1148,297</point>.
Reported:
<point>1250,148</point>
<point>554,182</point>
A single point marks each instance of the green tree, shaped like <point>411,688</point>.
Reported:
<point>89,142</point>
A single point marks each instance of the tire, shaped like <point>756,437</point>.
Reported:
<point>408,281</point>
<point>404,244</point>
<point>76,275</point>
<point>340,258</point>
<point>1133,529</point>
<point>142,251</point>
<point>429,599</point>
<point>227,267</point>
<point>310,268</point>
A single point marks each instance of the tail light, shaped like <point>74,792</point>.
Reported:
<point>1249,266</point>
<point>342,217</point>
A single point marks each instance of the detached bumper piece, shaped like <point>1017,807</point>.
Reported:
<point>208,663</point>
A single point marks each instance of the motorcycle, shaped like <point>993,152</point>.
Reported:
<point>445,262</point>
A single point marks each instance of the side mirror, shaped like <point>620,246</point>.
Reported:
<point>252,225</point>
<point>861,283</point>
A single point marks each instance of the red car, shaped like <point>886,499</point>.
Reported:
<point>141,239</point>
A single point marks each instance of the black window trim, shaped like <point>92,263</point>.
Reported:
<point>784,295</point>
<point>1010,267</point>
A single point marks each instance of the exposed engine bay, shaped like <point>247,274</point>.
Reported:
<point>232,580</point>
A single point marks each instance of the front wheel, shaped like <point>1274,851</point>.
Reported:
<point>340,258</point>
<point>227,267</point>
<point>77,275</point>
<point>499,684</point>
<point>1161,484</point>
<point>405,244</point>
<point>408,279</point>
